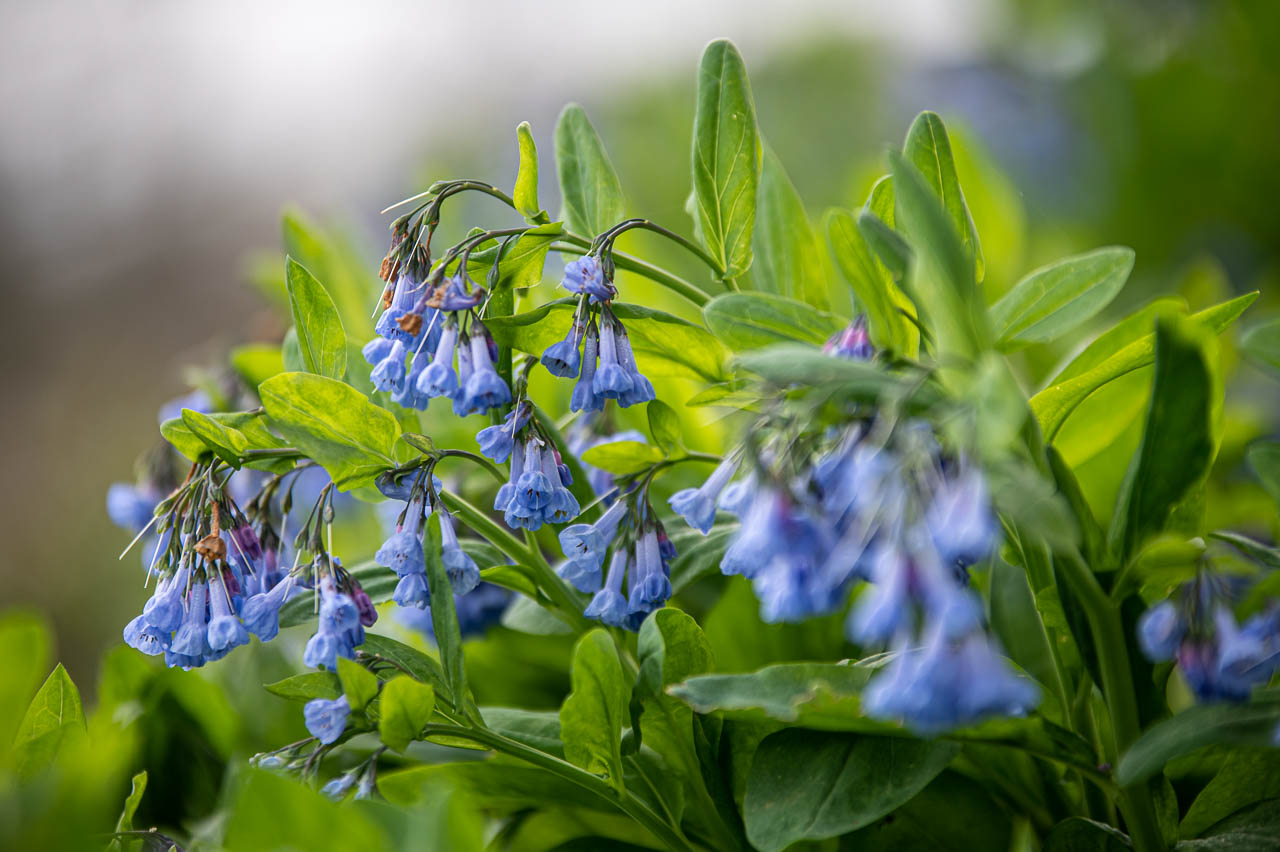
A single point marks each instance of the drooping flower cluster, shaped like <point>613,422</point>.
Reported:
<point>1220,658</point>
<point>537,491</point>
<point>597,350</point>
<point>404,553</point>
<point>638,580</point>
<point>895,512</point>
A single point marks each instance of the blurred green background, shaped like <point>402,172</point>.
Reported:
<point>144,159</point>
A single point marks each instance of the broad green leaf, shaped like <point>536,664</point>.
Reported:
<point>257,362</point>
<point>786,364</point>
<point>664,345</point>
<point>537,728</point>
<point>873,286</point>
<point>521,261</point>
<point>1255,550</point>
<point>227,443</point>
<point>1264,460</point>
<point>1077,834</point>
<point>1262,344</point>
<point>664,425</point>
<point>525,194</point>
<point>726,158</point>
<point>809,785</point>
<point>321,339</point>
<point>125,822</point>
<point>444,617</point>
<point>752,320</point>
<point>952,814</point>
<point>589,187</point>
<point>338,261</point>
<point>788,255</point>
<point>225,434</point>
<point>671,648</point>
<point>1054,299</point>
<point>268,811</point>
<point>20,673</point>
<point>416,663</point>
<point>404,709</point>
<point>503,785</point>
<point>592,717</point>
<point>358,683</point>
<point>1253,829</point>
<point>698,555</point>
<point>940,280</point>
<point>1248,775</point>
<point>306,686</point>
<point>1133,327</point>
<point>1199,725</point>
<point>1179,428</point>
<point>53,715</point>
<point>929,150</point>
<point>1054,404</point>
<point>622,457</point>
<point>816,695</point>
<point>1017,623</point>
<point>333,423</point>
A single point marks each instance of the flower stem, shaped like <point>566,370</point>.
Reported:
<point>574,244</point>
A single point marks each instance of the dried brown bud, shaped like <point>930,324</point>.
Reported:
<point>410,323</point>
<point>387,294</point>
<point>212,548</point>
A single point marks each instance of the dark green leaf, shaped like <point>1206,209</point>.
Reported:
<point>726,158</point>
<point>1247,776</point>
<point>671,648</point>
<point>592,717</point>
<point>537,728</point>
<point>752,320</point>
<point>53,715</point>
<point>404,709</point>
<point>664,425</point>
<point>929,150</point>
<point>333,423</point>
<point>589,186</point>
<point>788,255</point>
<point>421,443</point>
<point>1017,623</point>
<point>873,286</point>
<point>321,339</point>
<point>410,660</point>
<point>1078,834</point>
<point>664,345</point>
<point>1200,725</point>
<point>700,555</point>
<point>1179,427</point>
<point>358,683</point>
<point>817,695</point>
<point>952,814</point>
<point>1262,344</point>
<point>1054,299</point>
<point>622,457</point>
<point>306,686</point>
<point>1253,829</point>
<point>444,616</point>
<point>526,190</point>
<point>941,278</point>
<point>807,785</point>
<point>1054,404</point>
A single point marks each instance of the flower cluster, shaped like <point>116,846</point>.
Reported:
<point>422,332</point>
<point>893,511</point>
<point>1220,658</point>
<point>596,351</point>
<point>403,552</point>
<point>639,554</point>
<point>537,491</point>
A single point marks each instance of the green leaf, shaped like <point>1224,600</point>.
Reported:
<point>20,673</point>
<point>125,822</point>
<point>291,352</point>
<point>53,715</point>
<point>1017,623</point>
<point>257,362</point>
<point>808,785</point>
<point>873,286</point>
<point>1255,550</point>
<point>664,425</point>
<point>1253,829</point>
<point>786,364</point>
<point>622,457</point>
<point>1054,404</point>
<point>444,616</point>
<point>525,194</point>
<point>537,728</point>
<point>268,811</point>
<point>941,282</point>
<point>1054,299</point>
<point>752,320</point>
<point>726,158</point>
<point>1077,834</point>
<point>951,814</point>
<point>1179,428</point>
<point>1247,776</point>
<point>333,423</point>
<point>929,150</point>
<point>664,345</point>
<point>592,717</point>
<point>816,695</point>
<point>405,708</point>
<point>788,256</point>
<point>1199,725</point>
<point>413,661</point>
<point>226,442</point>
<point>306,686</point>
<point>1264,460</point>
<point>1261,344</point>
<point>321,339</point>
<point>671,648</point>
<point>589,187</point>
<point>358,683</point>
<point>521,261</point>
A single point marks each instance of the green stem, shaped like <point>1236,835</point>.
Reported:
<point>609,237</point>
<point>1135,801</point>
<point>574,244</point>
<point>625,802</point>
<point>493,469</point>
